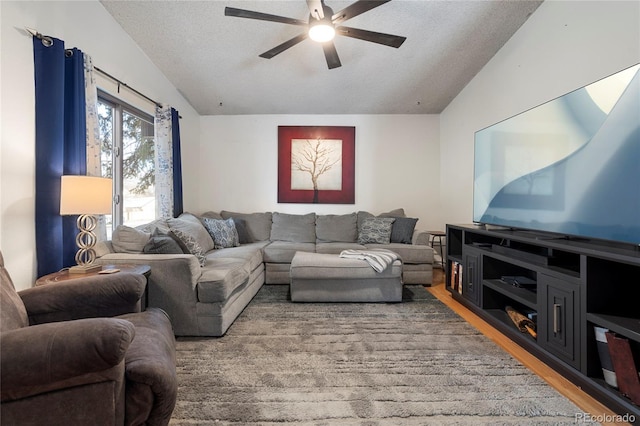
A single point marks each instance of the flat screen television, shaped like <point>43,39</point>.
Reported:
<point>570,166</point>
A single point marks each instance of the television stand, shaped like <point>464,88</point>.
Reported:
<point>572,286</point>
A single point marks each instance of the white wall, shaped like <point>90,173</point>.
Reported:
<point>396,165</point>
<point>563,46</point>
<point>82,24</point>
<point>229,162</point>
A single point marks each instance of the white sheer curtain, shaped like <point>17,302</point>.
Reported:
<point>94,151</point>
<point>164,162</point>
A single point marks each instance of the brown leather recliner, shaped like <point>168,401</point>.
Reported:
<point>74,353</point>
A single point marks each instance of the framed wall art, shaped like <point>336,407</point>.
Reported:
<point>316,164</point>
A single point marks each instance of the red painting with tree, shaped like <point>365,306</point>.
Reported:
<point>316,164</point>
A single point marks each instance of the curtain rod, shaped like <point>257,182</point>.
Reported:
<point>122,83</point>
<point>48,41</point>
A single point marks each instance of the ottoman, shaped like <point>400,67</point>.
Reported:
<point>318,277</point>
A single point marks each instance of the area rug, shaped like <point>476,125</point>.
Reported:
<point>409,363</point>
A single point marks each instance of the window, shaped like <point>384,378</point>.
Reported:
<point>127,156</point>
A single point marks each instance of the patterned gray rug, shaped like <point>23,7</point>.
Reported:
<point>410,363</point>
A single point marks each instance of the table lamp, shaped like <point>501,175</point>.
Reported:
<point>85,196</point>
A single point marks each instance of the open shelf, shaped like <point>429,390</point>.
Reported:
<point>501,316</point>
<point>571,286</point>
<point>628,327</point>
<point>524,296</point>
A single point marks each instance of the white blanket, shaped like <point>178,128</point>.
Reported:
<point>379,259</point>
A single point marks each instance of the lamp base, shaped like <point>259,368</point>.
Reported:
<point>84,269</point>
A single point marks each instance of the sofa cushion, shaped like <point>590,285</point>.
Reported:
<point>402,230</point>
<point>220,278</point>
<point>223,232</point>
<point>409,253</point>
<point>161,243</point>
<point>129,240</point>
<point>294,228</point>
<point>283,251</point>
<point>376,230</point>
<point>341,228</point>
<point>251,253</point>
<point>190,225</point>
<point>251,227</point>
<point>211,215</point>
<point>337,247</point>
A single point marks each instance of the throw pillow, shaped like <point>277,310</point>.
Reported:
<point>362,216</point>
<point>191,244</point>
<point>150,227</point>
<point>223,232</point>
<point>161,243</point>
<point>244,235</point>
<point>376,230</point>
<point>402,230</point>
<point>191,225</point>
<point>129,240</point>
<point>394,213</point>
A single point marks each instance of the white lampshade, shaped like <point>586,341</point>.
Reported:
<point>85,195</point>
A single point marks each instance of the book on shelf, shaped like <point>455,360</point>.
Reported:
<point>456,277</point>
<point>452,277</point>
<point>605,356</point>
<point>624,366</point>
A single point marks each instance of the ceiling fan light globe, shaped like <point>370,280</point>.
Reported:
<point>322,33</point>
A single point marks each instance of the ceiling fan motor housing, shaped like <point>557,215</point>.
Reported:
<point>322,30</point>
<point>326,11</point>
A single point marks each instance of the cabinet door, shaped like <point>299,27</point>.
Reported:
<point>558,327</point>
<point>472,277</point>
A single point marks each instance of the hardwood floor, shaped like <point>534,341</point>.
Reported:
<point>562,385</point>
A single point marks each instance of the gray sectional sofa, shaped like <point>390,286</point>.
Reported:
<point>205,269</point>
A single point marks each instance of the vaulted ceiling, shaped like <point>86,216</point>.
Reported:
<point>212,59</point>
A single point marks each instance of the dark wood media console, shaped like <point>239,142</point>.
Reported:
<point>571,286</point>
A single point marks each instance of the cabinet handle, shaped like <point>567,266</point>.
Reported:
<point>470,279</point>
<point>556,318</point>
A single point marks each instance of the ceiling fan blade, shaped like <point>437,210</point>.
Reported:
<point>380,38</point>
<point>315,8</point>
<point>331,54</point>
<point>241,13</point>
<point>356,9</point>
<point>284,46</point>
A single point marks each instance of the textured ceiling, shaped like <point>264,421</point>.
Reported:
<point>213,59</point>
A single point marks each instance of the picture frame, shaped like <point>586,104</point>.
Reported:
<point>316,164</point>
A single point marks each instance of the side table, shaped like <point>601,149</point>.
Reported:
<point>439,235</point>
<point>64,275</point>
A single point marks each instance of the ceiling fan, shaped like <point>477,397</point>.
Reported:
<point>322,26</point>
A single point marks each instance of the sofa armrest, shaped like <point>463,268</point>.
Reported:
<point>103,247</point>
<point>86,297</point>
<point>35,357</point>
<point>421,237</point>
<point>160,263</point>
